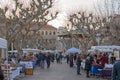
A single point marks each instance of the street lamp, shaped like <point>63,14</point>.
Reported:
<point>98,38</point>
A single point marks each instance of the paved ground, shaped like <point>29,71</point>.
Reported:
<point>57,72</point>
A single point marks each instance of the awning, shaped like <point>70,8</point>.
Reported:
<point>3,43</point>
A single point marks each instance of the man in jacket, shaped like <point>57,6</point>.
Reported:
<point>1,74</point>
<point>48,59</point>
<point>87,66</point>
<point>42,60</point>
<point>78,62</point>
<point>116,70</point>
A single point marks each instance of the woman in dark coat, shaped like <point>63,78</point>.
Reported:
<point>71,60</point>
<point>78,62</point>
<point>87,66</point>
<point>1,74</point>
<point>48,59</point>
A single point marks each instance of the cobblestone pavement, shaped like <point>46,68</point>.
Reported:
<point>57,72</point>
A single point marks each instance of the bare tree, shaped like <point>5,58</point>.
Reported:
<point>24,12</point>
<point>95,28</point>
<point>88,25</point>
<point>110,21</point>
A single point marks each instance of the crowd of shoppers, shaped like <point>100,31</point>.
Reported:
<point>43,58</point>
<point>97,59</point>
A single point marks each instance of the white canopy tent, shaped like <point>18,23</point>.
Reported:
<point>30,50</point>
<point>26,51</point>
<point>106,47</point>
<point>3,47</point>
<point>3,43</point>
<point>109,48</point>
<point>73,50</point>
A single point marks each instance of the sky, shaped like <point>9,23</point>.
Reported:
<point>64,7</point>
<point>68,7</point>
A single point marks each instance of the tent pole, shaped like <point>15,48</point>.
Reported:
<point>7,62</point>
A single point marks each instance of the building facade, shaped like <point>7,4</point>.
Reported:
<point>49,37</point>
<point>68,39</point>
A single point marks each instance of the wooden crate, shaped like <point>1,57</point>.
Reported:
<point>29,71</point>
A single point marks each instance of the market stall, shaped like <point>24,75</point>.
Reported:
<point>10,72</point>
<point>27,60</point>
<point>104,55</point>
<point>10,69</point>
<point>29,63</point>
<point>109,49</point>
<point>28,67</point>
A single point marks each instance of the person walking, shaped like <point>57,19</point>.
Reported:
<point>116,70</point>
<point>112,59</point>
<point>78,63</point>
<point>75,57</point>
<point>71,60</point>
<point>42,60</point>
<point>1,74</point>
<point>48,59</point>
<point>38,60</point>
<point>60,57</point>
<point>87,66</point>
<point>67,58</point>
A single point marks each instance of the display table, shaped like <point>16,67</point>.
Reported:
<point>106,73</point>
<point>11,74</point>
<point>95,69</point>
<point>108,65</point>
<point>28,64</point>
<point>14,73</point>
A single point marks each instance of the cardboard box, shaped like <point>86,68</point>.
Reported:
<point>29,71</point>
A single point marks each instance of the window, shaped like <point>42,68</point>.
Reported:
<point>42,32</point>
<point>46,33</point>
<point>50,41</point>
<point>50,33</point>
<point>54,33</point>
<point>46,40</point>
